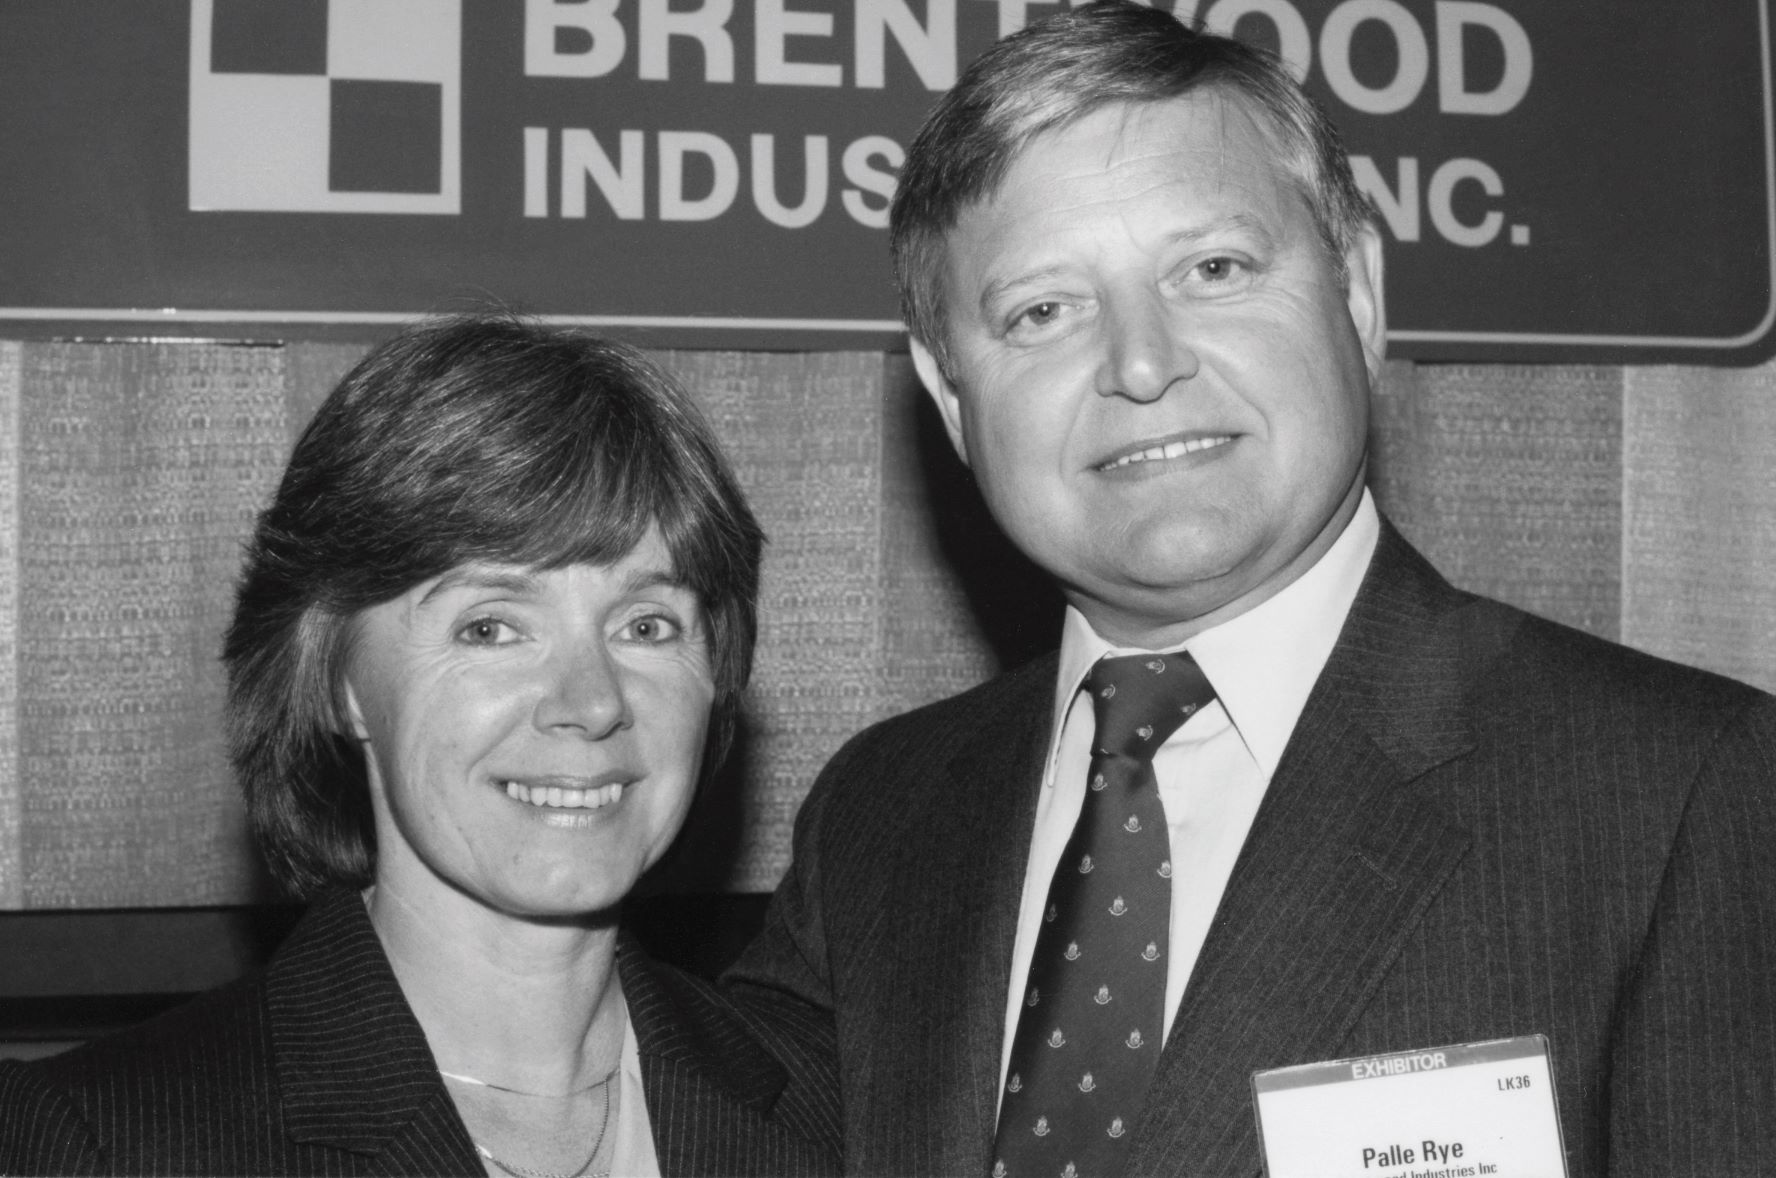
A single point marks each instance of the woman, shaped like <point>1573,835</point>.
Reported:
<point>490,632</point>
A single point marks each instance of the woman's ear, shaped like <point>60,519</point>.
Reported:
<point>352,715</point>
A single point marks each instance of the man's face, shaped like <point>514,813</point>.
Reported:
<point>1160,382</point>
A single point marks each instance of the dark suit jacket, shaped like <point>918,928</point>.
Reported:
<point>317,1066</point>
<point>1484,825</point>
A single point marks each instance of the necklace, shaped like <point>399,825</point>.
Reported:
<point>584,1169</point>
<point>479,1083</point>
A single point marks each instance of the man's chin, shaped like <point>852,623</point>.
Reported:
<point>1156,607</point>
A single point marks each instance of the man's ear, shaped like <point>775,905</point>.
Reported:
<point>1365,296</point>
<point>943,393</point>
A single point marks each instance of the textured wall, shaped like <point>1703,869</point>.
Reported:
<point>1638,504</point>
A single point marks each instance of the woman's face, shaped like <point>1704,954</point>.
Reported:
<point>532,736</point>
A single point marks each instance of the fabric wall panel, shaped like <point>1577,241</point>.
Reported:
<point>310,372</point>
<point>935,538</point>
<point>1699,532</point>
<point>1638,503</point>
<point>140,466</point>
<point>11,795</point>
<point>1510,479</point>
<point>804,433</point>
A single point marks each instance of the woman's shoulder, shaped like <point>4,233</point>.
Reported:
<point>198,1088</point>
<point>42,1130</point>
<point>66,1113</point>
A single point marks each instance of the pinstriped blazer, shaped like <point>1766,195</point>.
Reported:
<point>317,1066</point>
<point>1484,825</point>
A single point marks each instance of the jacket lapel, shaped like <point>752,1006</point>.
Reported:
<point>708,1084</point>
<point>1342,861</point>
<point>353,1066</point>
<point>966,911</point>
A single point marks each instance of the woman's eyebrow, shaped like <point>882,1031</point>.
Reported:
<point>652,578</point>
<point>483,578</point>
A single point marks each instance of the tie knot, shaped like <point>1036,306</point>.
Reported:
<point>1141,699</point>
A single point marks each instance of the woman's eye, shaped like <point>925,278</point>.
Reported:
<point>487,632</point>
<point>652,628</point>
<point>1039,314</point>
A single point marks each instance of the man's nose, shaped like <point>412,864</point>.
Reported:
<point>584,694</point>
<point>1145,350</point>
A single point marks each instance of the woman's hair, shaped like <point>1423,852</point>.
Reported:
<point>480,438</point>
<point>1069,65</point>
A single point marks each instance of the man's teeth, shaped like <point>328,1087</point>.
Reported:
<point>1171,450</point>
<point>566,799</point>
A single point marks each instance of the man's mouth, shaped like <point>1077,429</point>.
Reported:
<point>1166,450</point>
<point>566,797</point>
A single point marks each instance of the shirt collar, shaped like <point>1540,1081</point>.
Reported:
<point>1262,663</point>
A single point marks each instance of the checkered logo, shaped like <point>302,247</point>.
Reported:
<point>326,106</point>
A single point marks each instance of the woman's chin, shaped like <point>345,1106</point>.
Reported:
<point>535,893</point>
<point>554,899</point>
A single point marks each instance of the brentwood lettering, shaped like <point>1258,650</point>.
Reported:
<point>596,170</point>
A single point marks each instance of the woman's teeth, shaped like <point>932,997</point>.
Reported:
<point>565,799</point>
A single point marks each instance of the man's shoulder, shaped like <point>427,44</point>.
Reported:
<point>1013,701</point>
<point>1506,659</point>
<point>1546,701</point>
<point>1535,658</point>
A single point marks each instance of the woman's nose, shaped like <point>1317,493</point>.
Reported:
<point>585,693</point>
<point>1145,349</point>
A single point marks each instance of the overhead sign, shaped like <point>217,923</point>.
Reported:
<point>1590,181</point>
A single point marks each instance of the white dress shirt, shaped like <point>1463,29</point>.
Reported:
<point>1214,770</point>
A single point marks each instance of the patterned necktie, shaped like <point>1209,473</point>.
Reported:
<point>1090,1030</point>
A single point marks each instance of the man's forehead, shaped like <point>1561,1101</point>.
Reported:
<point>1207,149</point>
<point>1217,119</point>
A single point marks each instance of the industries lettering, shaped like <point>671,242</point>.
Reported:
<point>697,175</point>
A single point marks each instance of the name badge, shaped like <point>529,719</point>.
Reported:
<point>1445,1112</point>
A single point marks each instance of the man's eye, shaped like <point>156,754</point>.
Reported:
<point>1220,271</point>
<point>652,628</point>
<point>487,632</point>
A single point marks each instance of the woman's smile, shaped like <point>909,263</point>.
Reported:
<point>566,797</point>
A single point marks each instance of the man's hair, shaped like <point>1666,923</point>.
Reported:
<point>1062,68</point>
<point>480,438</point>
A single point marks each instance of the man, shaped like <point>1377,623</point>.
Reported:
<point>1146,297</point>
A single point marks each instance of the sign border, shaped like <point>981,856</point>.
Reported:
<point>171,317</point>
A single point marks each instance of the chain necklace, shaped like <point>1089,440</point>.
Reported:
<point>516,1171</point>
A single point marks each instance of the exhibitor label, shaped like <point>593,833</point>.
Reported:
<point>1463,1111</point>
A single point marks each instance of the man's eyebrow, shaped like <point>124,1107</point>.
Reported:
<point>1231,223</point>
<point>996,289</point>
